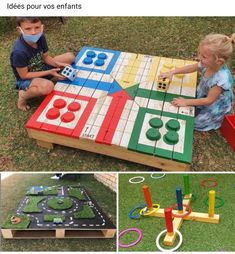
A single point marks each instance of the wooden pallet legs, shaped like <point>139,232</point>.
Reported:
<point>47,140</point>
<point>57,233</point>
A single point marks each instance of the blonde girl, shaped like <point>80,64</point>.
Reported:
<point>214,92</point>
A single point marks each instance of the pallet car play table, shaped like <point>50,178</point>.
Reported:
<point>57,212</point>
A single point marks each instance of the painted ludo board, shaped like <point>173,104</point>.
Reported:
<point>115,100</point>
<point>58,212</point>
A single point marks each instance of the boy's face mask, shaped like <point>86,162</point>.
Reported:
<point>31,37</point>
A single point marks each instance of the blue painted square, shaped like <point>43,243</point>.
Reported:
<point>94,68</point>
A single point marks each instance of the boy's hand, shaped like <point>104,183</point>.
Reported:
<point>54,73</point>
<point>61,65</point>
<point>179,102</point>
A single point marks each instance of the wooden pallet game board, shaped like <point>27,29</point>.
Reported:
<point>57,212</point>
<point>115,107</point>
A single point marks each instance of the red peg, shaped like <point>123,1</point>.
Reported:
<point>147,197</point>
<point>168,219</point>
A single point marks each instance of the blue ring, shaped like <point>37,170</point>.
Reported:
<point>131,216</point>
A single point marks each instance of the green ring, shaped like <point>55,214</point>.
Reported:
<point>216,197</point>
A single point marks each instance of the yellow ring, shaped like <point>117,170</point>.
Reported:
<point>149,212</point>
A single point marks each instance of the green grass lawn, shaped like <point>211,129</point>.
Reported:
<point>176,37</point>
<point>76,192</point>
<point>22,225</point>
<point>32,205</point>
<point>197,236</point>
<point>60,203</point>
<point>51,191</point>
<point>51,217</point>
<point>10,200</point>
<point>85,213</point>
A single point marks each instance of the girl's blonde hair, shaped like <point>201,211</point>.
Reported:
<point>221,45</point>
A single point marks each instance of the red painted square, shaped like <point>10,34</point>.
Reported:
<point>54,123</point>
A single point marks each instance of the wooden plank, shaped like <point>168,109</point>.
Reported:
<point>45,144</point>
<point>7,233</point>
<point>170,239</point>
<point>57,233</point>
<point>193,216</point>
<point>60,233</point>
<point>109,233</point>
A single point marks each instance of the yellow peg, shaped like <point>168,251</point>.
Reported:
<point>211,210</point>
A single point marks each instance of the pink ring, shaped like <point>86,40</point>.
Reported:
<point>130,244</point>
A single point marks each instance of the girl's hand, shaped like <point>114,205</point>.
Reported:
<point>179,102</point>
<point>168,75</point>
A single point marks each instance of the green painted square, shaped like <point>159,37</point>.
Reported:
<point>186,156</point>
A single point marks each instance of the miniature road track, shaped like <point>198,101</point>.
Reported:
<point>37,219</point>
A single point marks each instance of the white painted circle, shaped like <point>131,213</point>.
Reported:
<point>136,177</point>
<point>169,250</point>
<point>157,177</point>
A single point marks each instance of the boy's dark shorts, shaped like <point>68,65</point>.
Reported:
<point>23,84</point>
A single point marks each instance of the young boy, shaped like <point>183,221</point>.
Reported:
<point>33,67</point>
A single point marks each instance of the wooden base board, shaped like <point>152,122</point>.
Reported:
<point>57,233</point>
<point>193,216</point>
<point>170,239</point>
<point>47,140</point>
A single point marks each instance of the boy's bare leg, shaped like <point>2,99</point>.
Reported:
<point>21,103</point>
<point>65,58</point>
<point>38,87</point>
